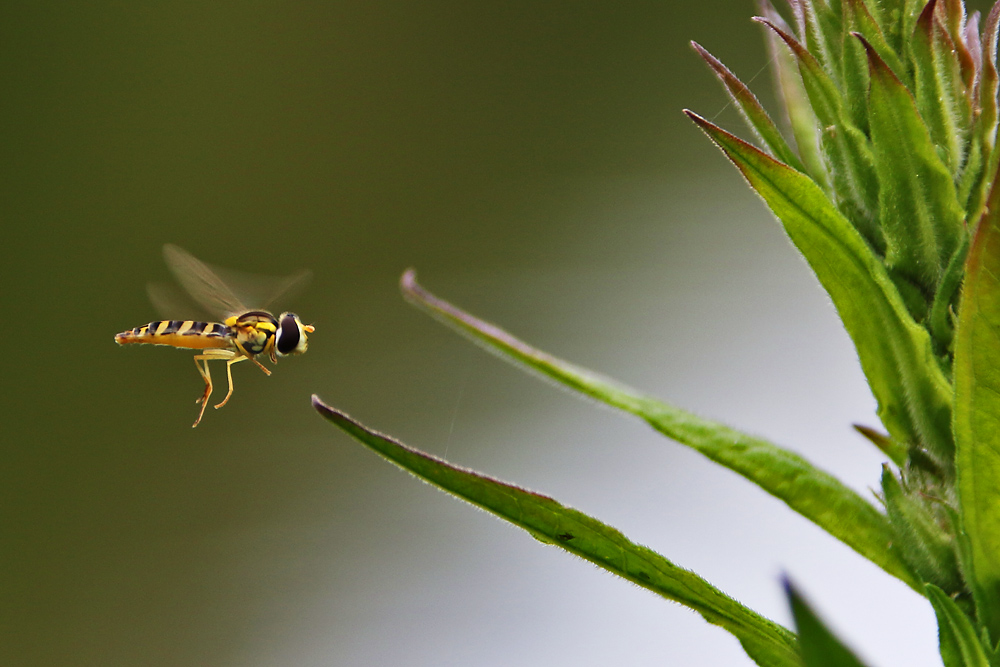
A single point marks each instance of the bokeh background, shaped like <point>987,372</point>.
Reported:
<point>531,160</point>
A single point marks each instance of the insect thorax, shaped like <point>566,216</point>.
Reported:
<point>254,330</point>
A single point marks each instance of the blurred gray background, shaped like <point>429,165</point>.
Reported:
<point>531,161</point>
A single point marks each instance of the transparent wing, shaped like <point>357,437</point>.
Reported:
<point>202,283</point>
<point>264,291</point>
<point>224,292</point>
<point>171,303</point>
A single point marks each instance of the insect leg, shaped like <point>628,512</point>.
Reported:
<point>229,373</point>
<point>207,377</point>
<point>249,356</point>
<point>201,363</point>
<point>260,366</point>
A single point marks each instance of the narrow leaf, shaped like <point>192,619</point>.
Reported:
<point>820,648</point>
<point>892,449</point>
<point>896,356</point>
<point>959,643</point>
<point>988,80</point>
<point>766,642</point>
<point>752,111</point>
<point>977,413</point>
<point>952,14</point>
<point>910,16</point>
<point>941,314</point>
<point>936,74</point>
<point>814,494</point>
<point>986,124</point>
<point>844,144</point>
<point>855,73</point>
<point>892,22</point>
<point>824,32</point>
<point>799,115</point>
<point>859,18</point>
<point>918,206</point>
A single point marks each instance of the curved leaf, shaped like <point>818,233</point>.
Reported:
<point>820,647</point>
<point>960,646</point>
<point>751,110</point>
<point>852,165</point>
<point>918,205</point>
<point>988,84</point>
<point>814,494</point>
<point>766,642</point>
<point>986,124</point>
<point>799,116</point>
<point>977,413</point>
<point>914,397</point>
<point>937,81</point>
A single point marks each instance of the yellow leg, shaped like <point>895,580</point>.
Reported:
<point>260,366</point>
<point>201,363</point>
<point>229,373</point>
<point>247,355</point>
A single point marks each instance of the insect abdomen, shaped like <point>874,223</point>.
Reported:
<point>178,333</point>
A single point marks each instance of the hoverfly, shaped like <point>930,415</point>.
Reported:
<point>243,333</point>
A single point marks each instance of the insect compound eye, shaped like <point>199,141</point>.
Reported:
<point>289,335</point>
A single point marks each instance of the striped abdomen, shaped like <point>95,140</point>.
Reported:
<point>179,333</point>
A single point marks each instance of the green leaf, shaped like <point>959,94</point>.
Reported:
<point>959,642</point>
<point>937,84</point>
<point>986,124</point>
<point>913,395</point>
<point>852,167</point>
<point>809,491</point>
<point>918,206</point>
<point>822,28</point>
<point>820,648</point>
<point>766,642</point>
<point>977,413</point>
<point>952,13</point>
<point>752,111</point>
<point>989,80</point>
<point>924,543</point>
<point>794,102</point>
<point>892,449</point>
<point>910,16</point>
<point>860,19</point>
<point>940,320</point>
<point>896,22</point>
<point>857,18</point>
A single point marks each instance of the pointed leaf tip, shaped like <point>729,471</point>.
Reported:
<point>876,66</point>
<point>926,18</point>
<point>818,645</point>
<point>766,642</point>
<point>753,112</point>
<point>913,394</point>
<point>331,413</point>
<point>886,445</point>
<point>806,489</point>
<point>408,281</point>
<point>794,44</point>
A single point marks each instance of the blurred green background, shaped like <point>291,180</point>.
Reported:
<point>531,160</point>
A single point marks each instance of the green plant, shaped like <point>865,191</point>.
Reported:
<point>892,195</point>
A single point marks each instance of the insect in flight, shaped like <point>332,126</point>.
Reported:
<point>243,333</point>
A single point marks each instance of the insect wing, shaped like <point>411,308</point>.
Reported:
<point>282,290</point>
<point>202,283</point>
<point>172,303</point>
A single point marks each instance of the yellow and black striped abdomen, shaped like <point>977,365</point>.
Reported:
<point>179,333</point>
